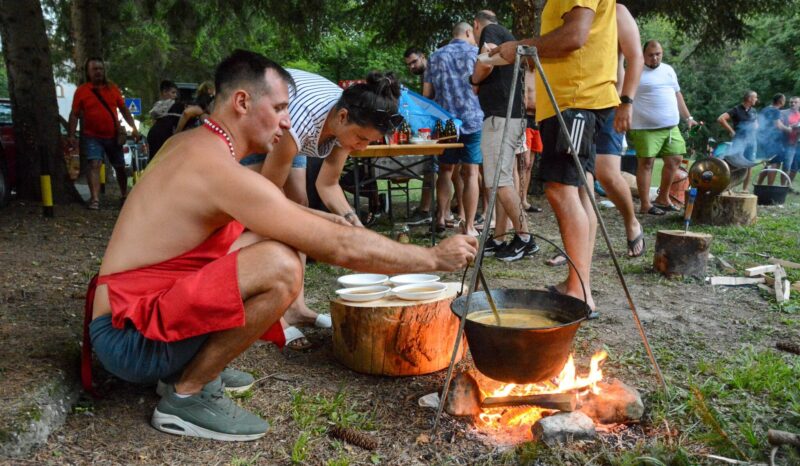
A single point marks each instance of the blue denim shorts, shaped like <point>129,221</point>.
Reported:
<point>470,153</point>
<point>609,141</point>
<point>130,356</point>
<point>298,161</point>
<point>98,149</point>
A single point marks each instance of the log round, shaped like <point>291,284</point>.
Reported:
<point>726,209</point>
<point>681,254</point>
<point>396,337</point>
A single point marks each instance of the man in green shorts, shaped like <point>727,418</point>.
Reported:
<point>657,111</point>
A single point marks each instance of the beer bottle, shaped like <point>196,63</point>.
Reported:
<point>438,129</point>
<point>450,128</point>
<point>404,136</point>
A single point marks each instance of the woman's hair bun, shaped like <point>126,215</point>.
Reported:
<point>384,84</point>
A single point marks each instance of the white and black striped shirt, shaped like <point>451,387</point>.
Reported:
<point>309,105</point>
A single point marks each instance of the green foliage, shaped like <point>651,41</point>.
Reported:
<point>3,81</point>
<point>300,448</point>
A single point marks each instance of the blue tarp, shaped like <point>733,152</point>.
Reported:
<point>423,113</point>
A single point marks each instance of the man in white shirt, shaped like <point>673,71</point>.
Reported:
<point>658,108</point>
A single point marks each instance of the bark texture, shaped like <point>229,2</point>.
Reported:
<point>86,34</point>
<point>681,254</point>
<point>726,209</point>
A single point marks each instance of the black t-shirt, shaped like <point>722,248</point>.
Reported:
<point>163,128</point>
<point>742,118</point>
<point>493,91</point>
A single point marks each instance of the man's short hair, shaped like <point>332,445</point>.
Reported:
<point>413,51</point>
<point>86,67</point>
<point>167,85</point>
<point>747,94</point>
<point>649,43</point>
<point>245,69</point>
<point>460,29</point>
<point>777,98</point>
<point>485,16</point>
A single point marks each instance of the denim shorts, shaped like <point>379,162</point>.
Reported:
<point>470,153</point>
<point>99,148</point>
<point>299,161</point>
<point>609,141</point>
<point>127,354</point>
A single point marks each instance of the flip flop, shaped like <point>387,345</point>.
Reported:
<point>292,335</point>
<point>323,321</point>
<point>655,211</point>
<point>93,205</point>
<point>556,261</point>
<point>553,290</point>
<point>633,242</point>
<point>533,209</point>
<point>667,208</point>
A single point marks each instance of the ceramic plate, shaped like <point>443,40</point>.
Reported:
<point>420,291</point>
<point>363,293</point>
<point>363,279</point>
<point>411,278</point>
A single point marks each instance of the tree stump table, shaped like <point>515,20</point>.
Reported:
<point>395,337</point>
<point>728,208</point>
<point>678,253</point>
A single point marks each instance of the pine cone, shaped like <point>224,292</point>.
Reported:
<point>359,439</point>
<point>788,347</point>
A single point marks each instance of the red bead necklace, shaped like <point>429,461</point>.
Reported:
<point>215,128</point>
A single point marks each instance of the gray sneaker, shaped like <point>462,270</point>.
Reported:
<point>233,380</point>
<point>208,414</point>
<point>419,217</point>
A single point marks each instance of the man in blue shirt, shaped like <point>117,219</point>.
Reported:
<point>447,82</point>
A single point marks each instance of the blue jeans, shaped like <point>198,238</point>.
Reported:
<point>99,148</point>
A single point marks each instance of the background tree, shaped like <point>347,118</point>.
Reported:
<point>33,99</point>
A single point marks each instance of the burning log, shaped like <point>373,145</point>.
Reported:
<point>679,253</point>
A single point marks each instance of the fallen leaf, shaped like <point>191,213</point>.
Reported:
<point>423,439</point>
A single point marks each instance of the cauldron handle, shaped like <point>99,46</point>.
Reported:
<point>564,253</point>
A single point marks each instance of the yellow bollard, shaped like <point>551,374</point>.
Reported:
<point>47,195</point>
<point>103,178</point>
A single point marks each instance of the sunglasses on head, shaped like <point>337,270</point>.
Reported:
<point>383,119</point>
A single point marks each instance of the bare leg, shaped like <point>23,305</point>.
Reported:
<point>469,174</point>
<point>644,171</point>
<point>443,192</point>
<point>746,181</point>
<point>428,182</point>
<point>671,164</point>
<point>524,165</point>
<point>266,291</point>
<point>617,190</point>
<point>93,179</point>
<point>575,224</point>
<point>458,183</point>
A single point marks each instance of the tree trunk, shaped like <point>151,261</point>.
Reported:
<point>727,208</point>
<point>86,34</point>
<point>527,18</point>
<point>679,253</point>
<point>33,100</point>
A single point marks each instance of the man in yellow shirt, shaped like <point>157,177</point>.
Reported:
<point>578,48</point>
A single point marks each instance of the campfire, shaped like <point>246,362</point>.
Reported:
<point>568,407</point>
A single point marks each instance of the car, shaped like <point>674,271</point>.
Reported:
<point>136,154</point>
<point>8,152</point>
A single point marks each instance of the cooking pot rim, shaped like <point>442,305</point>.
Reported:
<point>583,316</point>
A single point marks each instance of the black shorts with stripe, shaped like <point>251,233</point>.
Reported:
<point>556,163</point>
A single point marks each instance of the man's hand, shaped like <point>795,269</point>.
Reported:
<point>352,219</point>
<point>507,50</point>
<point>135,134</point>
<point>732,133</point>
<point>488,47</point>
<point>455,253</point>
<point>691,123</point>
<point>622,119</point>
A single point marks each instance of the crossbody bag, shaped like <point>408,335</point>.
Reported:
<point>122,135</point>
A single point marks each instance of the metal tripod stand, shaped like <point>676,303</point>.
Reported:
<point>530,51</point>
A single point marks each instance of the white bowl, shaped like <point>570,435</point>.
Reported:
<point>411,278</point>
<point>363,279</point>
<point>420,291</point>
<point>363,293</point>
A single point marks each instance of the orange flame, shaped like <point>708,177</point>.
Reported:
<point>567,380</point>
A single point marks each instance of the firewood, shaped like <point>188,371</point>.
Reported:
<point>678,253</point>
<point>354,437</point>
<point>559,401</point>
<point>760,270</point>
<point>735,281</point>
<point>784,263</point>
<point>780,437</point>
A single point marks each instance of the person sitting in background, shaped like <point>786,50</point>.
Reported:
<point>195,113</point>
<point>166,113</point>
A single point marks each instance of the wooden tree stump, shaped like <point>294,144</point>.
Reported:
<point>726,209</point>
<point>681,254</point>
<point>392,336</point>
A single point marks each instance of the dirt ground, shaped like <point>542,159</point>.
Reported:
<point>45,265</point>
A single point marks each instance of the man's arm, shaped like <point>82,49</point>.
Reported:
<point>126,114</point>
<point>246,197</point>
<point>683,110</point>
<point>329,189</point>
<point>73,125</point>
<point>427,90</point>
<point>629,44</point>
<point>723,120</point>
<point>559,42</point>
<point>482,70</point>
<point>278,163</point>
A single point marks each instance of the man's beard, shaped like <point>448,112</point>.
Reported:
<point>418,71</point>
<point>652,67</point>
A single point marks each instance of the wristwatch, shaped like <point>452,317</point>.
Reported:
<point>625,99</point>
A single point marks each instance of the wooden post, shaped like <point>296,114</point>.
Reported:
<point>681,254</point>
<point>726,209</point>
<point>391,336</point>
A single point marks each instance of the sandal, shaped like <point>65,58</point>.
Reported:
<point>633,242</point>
<point>93,205</point>
<point>295,339</point>
<point>323,321</point>
<point>655,211</point>
<point>666,208</point>
<point>533,209</point>
<point>556,261</point>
